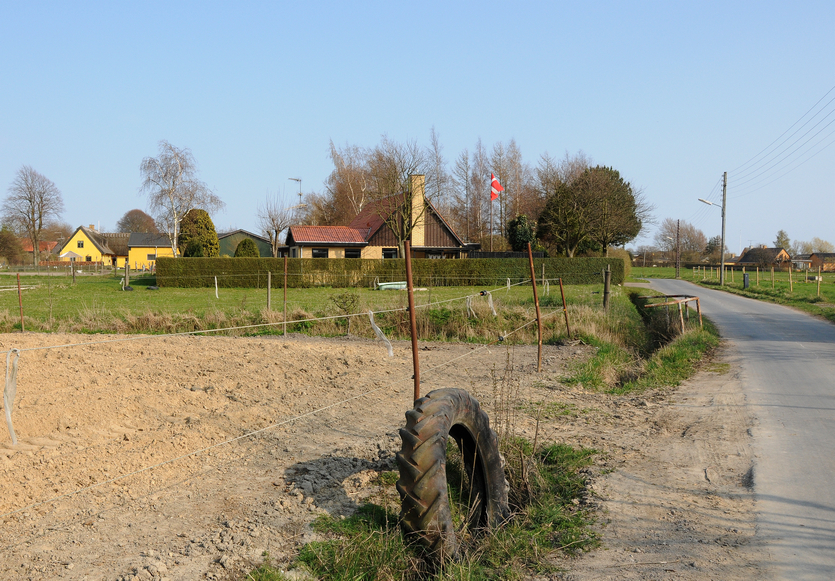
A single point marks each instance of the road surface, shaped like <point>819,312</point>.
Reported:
<point>788,375</point>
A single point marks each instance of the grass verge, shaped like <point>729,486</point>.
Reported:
<point>550,517</point>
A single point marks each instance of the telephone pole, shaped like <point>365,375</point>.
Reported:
<point>678,248</point>
<point>722,248</point>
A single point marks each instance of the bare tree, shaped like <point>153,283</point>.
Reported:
<point>274,217</point>
<point>437,178</point>
<point>480,190</point>
<point>461,194</point>
<point>692,242</point>
<point>33,200</point>
<point>348,184</point>
<point>170,180</point>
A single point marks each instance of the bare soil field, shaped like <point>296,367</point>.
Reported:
<point>188,458</point>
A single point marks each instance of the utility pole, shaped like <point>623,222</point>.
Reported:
<point>678,249</point>
<point>722,248</point>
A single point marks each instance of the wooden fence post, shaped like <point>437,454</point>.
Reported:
<point>538,317</point>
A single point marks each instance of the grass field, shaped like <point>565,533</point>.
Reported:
<point>800,291</point>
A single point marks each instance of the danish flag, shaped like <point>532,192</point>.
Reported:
<point>495,187</point>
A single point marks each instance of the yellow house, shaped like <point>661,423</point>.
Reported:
<point>87,245</point>
<point>143,250</point>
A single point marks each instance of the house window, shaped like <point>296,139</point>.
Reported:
<point>320,253</point>
<point>152,257</point>
<point>353,253</point>
<point>88,258</point>
<point>81,243</point>
<point>389,252</point>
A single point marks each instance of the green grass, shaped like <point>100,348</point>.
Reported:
<point>95,304</point>
<point>799,293</point>
<point>549,520</point>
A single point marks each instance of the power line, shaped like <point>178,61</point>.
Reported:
<point>786,131</point>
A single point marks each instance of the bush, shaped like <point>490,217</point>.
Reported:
<point>247,249</point>
<point>356,272</point>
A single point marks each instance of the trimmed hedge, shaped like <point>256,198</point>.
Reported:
<point>355,272</point>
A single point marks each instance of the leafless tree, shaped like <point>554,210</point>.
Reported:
<point>437,178</point>
<point>33,200</point>
<point>170,180</point>
<point>480,191</point>
<point>461,184</point>
<point>348,184</point>
<point>274,217</point>
<point>692,241</point>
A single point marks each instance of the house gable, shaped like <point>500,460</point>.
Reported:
<point>229,241</point>
<point>430,234</point>
<point>755,256</point>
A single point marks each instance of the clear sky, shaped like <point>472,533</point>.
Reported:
<point>671,94</point>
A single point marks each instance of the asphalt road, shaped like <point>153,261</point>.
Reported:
<point>788,375</point>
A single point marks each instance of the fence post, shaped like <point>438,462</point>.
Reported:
<point>607,282</point>
<point>772,278</point>
<point>819,281</point>
<point>269,290</point>
<point>565,310</point>
<point>413,319</point>
<point>538,318</point>
<point>791,282</point>
<point>20,301</point>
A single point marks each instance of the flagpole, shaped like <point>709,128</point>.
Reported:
<point>490,231</point>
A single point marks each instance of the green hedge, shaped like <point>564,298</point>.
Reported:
<point>356,272</point>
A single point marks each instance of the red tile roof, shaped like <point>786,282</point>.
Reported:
<point>374,215</point>
<point>43,245</point>
<point>327,234</point>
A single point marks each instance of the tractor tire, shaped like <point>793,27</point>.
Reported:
<point>425,505</point>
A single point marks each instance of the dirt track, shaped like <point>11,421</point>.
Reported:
<point>124,466</point>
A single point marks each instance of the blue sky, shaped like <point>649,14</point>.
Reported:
<point>671,94</point>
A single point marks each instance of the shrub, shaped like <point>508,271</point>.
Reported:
<point>247,249</point>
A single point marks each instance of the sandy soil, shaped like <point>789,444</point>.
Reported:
<point>190,457</point>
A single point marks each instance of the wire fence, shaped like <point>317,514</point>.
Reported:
<point>19,354</point>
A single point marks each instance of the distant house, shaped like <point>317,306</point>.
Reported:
<point>801,261</point>
<point>145,248</point>
<point>370,234</point>
<point>92,246</point>
<point>44,247</point>
<point>823,260</point>
<point>764,257</point>
<point>229,242</point>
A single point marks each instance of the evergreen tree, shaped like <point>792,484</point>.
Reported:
<point>197,225</point>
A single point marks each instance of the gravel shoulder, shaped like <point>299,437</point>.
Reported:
<point>191,457</point>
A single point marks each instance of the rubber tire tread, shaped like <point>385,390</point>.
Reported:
<point>425,509</point>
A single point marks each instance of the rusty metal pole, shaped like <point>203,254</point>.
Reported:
<point>412,319</point>
<point>565,310</point>
<point>538,317</point>
<point>20,301</point>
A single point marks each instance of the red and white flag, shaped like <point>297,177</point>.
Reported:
<point>495,187</point>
